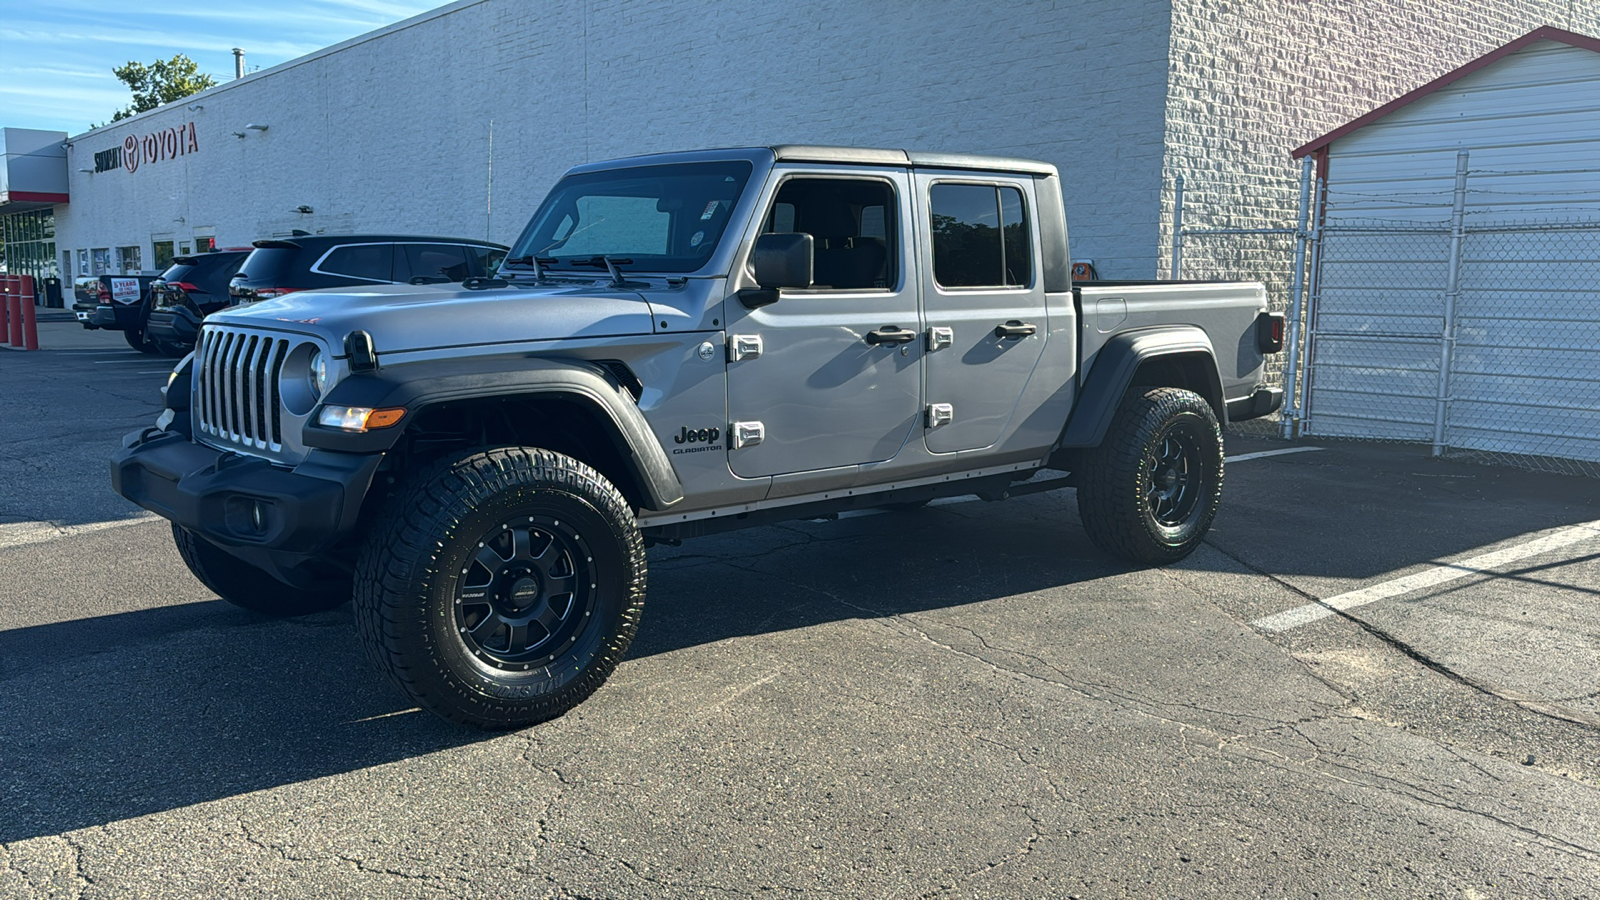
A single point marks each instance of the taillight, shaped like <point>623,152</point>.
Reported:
<point>182,285</point>
<point>1269,332</point>
<point>250,295</point>
<point>103,294</point>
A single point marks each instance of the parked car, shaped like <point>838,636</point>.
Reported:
<point>122,305</point>
<point>284,265</point>
<point>192,288</point>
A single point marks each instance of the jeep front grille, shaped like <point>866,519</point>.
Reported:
<point>237,397</point>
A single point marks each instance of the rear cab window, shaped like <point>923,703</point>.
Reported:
<point>981,236</point>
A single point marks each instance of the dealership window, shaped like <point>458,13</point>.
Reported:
<point>29,239</point>
<point>102,261</point>
<point>205,244</point>
<point>128,260</point>
<point>83,262</point>
<point>164,254</point>
<point>980,236</point>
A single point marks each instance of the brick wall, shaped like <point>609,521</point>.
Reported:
<point>1252,81</point>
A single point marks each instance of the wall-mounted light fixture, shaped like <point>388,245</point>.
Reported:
<point>195,107</point>
<point>238,134</point>
<point>90,171</point>
<point>254,127</point>
<point>303,210</point>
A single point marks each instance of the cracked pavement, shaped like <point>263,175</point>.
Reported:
<point>962,701</point>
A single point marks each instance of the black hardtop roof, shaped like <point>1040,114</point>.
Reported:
<point>323,240</point>
<point>195,259</point>
<point>822,153</point>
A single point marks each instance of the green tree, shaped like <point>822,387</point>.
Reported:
<point>163,81</point>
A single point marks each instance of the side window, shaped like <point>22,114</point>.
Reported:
<point>433,261</point>
<point>851,223</point>
<point>980,236</point>
<point>488,259</point>
<point>373,262</point>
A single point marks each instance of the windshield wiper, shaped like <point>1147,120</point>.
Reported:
<point>609,263</point>
<point>538,263</point>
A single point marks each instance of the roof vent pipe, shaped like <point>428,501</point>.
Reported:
<point>238,63</point>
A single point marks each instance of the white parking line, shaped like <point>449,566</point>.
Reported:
<point>1484,564</point>
<point>16,534</point>
<point>1265,453</point>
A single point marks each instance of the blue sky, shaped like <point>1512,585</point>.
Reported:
<point>56,56</point>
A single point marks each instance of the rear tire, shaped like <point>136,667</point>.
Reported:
<point>247,586</point>
<point>503,588</point>
<point>1149,492</point>
<point>136,338</point>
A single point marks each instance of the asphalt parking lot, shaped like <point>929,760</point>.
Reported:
<point>1377,679</point>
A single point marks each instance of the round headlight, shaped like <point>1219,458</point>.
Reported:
<point>319,373</point>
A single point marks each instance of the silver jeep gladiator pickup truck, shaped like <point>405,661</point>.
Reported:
<point>681,344</point>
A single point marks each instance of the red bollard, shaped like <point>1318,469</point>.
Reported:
<point>30,313</point>
<point>14,309</point>
<point>5,307</point>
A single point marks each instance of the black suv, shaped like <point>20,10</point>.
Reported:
<point>186,293</point>
<point>302,263</point>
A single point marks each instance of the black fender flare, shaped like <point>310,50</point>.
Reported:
<point>1114,369</point>
<point>420,385</point>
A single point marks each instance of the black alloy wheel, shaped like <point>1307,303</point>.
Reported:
<point>502,586</point>
<point>1149,492</point>
<point>1177,477</point>
<point>526,593</point>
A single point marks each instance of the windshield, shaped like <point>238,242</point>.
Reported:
<point>652,218</point>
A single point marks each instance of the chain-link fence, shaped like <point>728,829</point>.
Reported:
<point>1482,340</point>
<point>1265,255</point>
<point>1478,338</point>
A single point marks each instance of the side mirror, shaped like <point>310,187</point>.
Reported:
<point>780,261</point>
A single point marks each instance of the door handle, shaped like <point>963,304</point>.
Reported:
<point>1014,329</point>
<point>890,334</point>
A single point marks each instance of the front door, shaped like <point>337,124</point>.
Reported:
<point>831,373</point>
<point>984,303</point>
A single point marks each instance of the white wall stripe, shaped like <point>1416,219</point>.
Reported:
<point>1483,564</point>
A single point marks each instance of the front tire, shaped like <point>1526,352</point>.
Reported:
<point>252,588</point>
<point>505,587</point>
<point>1149,492</point>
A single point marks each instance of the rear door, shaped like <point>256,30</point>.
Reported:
<point>984,303</point>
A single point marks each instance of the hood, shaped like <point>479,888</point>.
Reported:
<point>424,317</point>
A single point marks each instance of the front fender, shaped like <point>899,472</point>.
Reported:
<point>1117,363</point>
<point>418,386</point>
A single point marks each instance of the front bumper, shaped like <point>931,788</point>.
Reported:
<point>273,517</point>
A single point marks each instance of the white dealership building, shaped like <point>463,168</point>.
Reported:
<point>456,121</point>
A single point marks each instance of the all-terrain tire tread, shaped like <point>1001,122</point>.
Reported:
<point>395,566</point>
<point>1110,500</point>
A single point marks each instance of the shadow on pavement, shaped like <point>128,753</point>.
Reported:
<point>109,718</point>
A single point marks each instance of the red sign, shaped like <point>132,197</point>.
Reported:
<point>158,145</point>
